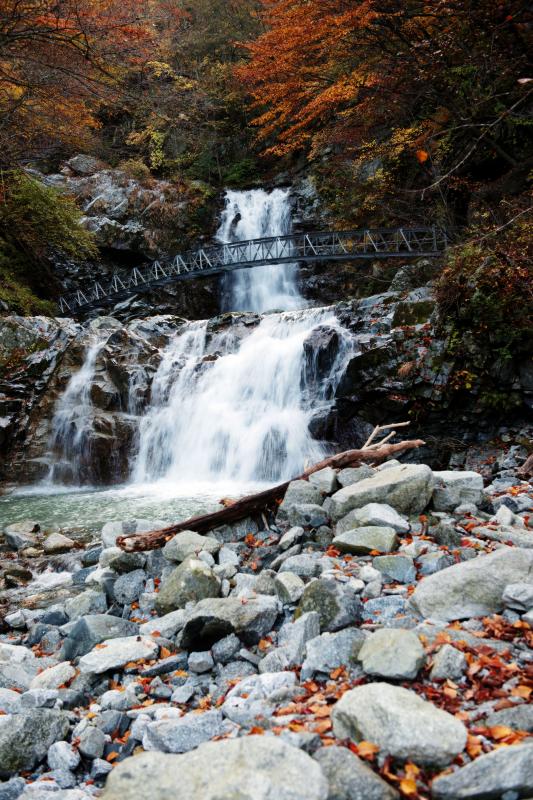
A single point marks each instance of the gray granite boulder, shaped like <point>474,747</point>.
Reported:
<point>490,777</point>
<point>189,543</point>
<point>191,581</point>
<point>337,604</point>
<point>392,653</point>
<point>214,618</point>
<point>364,540</point>
<point>26,737</point>
<point>350,778</point>
<point>378,514</point>
<point>452,489</point>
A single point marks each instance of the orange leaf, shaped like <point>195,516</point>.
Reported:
<point>257,731</point>
<point>367,749</point>
<point>112,756</point>
<point>500,732</point>
<point>408,786</point>
<point>322,726</point>
<point>422,156</point>
<point>521,691</point>
<point>164,652</point>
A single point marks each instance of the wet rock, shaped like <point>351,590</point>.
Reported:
<point>191,581</point>
<point>454,488</point>
<point>400,569</point>
<point>364,540</point>
<point>350,778</point>
<point>407,488</point>
<point>400,723</point>
<point>250,768</point>
<point>189,543</point>
<point>392,653</point>
<point>26,737</point>
<point>12,789</point>
<point>448,663</point>
<point>57,543</point>
<point>201,662</point>
<point>373,514</point>
<point>185,733</point>
<point>473,588</point>
<point>490,776</point>
<point>214,618</point>
<point>21,534</point>
<point>337,605</point>
<point>332,650</point>
<point>92,630</point>
<point>116,653</point>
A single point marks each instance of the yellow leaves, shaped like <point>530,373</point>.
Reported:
<point>473,746</point>
<point>500,732</point>
<point>366,749</point>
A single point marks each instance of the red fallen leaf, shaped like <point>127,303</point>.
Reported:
<point>256,731</point>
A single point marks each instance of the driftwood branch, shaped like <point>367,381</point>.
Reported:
<point>257,503</point>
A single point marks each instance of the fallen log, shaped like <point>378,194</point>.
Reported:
<point>255,503</point>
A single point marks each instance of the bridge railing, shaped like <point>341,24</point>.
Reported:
<point>368,243</point>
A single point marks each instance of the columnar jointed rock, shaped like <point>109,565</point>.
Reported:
<point>400,723</point>
<point>252,768</point>
<point>473,588</point>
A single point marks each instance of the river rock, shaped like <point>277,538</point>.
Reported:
<point>337,604</point>
<point>307,515</point>
<point>518,596</point>
<point>250,768</point>
<point>289,587</point>
<point>21,534</point>
<point>400,569</point>
<point>362,541</point>
<point>292,638</point>
<point>26,737</point>
<point>129,587</point>
<point>473,588</point>
<point>54,677</point>
<point>254,698</point>
<point>452,489</point>
<point>490,776</point>
<point>448,663</point>
<point>408,488</point>
<point>91,601</point>
<point>349,778</point>
<point>92,742</point>
<point>214,618</point>
<point>299,492</point>
<point>112,530</point>
<point>92,630</point>
<point>373,514</point>
<point>351,475</point>
<point>116,653</point>
<point>167,626</point>
<point>332,650</point>
<point>392,653</point>
<point>520,718</point>
<point>189,543</point>
<point>325,480</point>
<point>61,755</point>
<point>10,701</point>
<point>185,733</point>
<point>400,722</point>
<point>191,581</point>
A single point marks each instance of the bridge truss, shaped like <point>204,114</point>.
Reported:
<point>371,243</point>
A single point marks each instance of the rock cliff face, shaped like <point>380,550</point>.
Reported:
<point>398,368</point>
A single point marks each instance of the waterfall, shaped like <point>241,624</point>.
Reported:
<point>72,422</point>
<point>242,416</point>
<point>252,215</point>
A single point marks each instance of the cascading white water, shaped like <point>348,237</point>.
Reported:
<point>73,420</point>
<point>242,417</point>
<point>257,214</point>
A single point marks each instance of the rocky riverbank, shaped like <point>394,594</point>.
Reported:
<point>372,640</point>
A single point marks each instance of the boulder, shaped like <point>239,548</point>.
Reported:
<point>362,541</point>
<point>337,604</point>
<point>292,639</point>
<point>298,493</point>
<point>452,489</point>
<point>473,588</point>
<point>490,777</point>
<point>249,768</point>
<point>93,629</point>
<point>332,650</point>
<point>189,543</point>
<point>379,514</point>
<point>191,581</point>
<point>307,515</point>
<point>21,534</point>
<point>57,543</point>
<point>350,778</point>
<point>214,618</point>
<point>129,587</point>
<point>400,569</point>
<point>448,664</point>
<point>289,587</point>
<point>520,718</point>
<point>54,677</point>
<point>351,475</point>
<point>26,737</point>
<point>518,596</point>
<point>325,480</point>
<point>400,722</point>
<point>392,653</point>
<point>167,626</point>
<point>182,734</point>
<point>116,653</point>
<point>407,488</point>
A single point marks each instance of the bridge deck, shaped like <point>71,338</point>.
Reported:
<point>371,243</point>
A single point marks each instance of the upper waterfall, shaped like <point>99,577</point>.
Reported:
<point>256,214</point>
